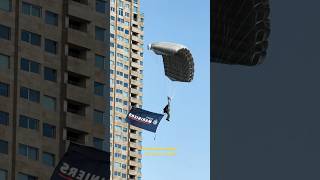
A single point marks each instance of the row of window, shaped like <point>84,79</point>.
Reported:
<point>35,10</point>
<point>50,46</point>
<point>48,130</point>
<point>117,173</point>
<point>34,67</point>
<point>21,176</point>
<point>32,38</point>
<point>48,102</point>
<point>29,152</point>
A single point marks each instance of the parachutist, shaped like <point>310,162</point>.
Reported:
<point>166,109</point>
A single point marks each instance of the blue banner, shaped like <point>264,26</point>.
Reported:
<point>144,119</point>
<point>83,162</point>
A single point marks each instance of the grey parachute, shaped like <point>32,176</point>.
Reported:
<point>240,31</point>
<point>177,60</point>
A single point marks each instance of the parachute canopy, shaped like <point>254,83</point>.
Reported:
<point>177,60</point>
<point>240,31</point>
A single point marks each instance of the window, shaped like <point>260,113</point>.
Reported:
<point>27,122</point>
<point>50,46</point>
<point>5,32</point>
<point>4,118</point>
<point>124,157</point>
<point>98,143</point>
<point>6,6</point>
<point>49,130</point>
<point>30,94</point>
<point>98,116</point>
<point>31,38</point>
<point>98,89</point>
<point>31,10</point>
<point>124,175</point>
<point>28,151</point>
<point>4,62</point>
<point>100,34</point>
<point>51,18</point>
<point>50,74</point>
<point>3,147</point>
<point>99,62</point>
<point>3,174</point>
<point>49,103</point>
<point>22,176</point>
<point>4,89</point>
<point>30,66</point>
<point>48,159</point>
<point>101,6</point>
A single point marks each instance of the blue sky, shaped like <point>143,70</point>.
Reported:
<point>185,22</point>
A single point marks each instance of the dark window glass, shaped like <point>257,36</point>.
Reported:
<point>34,67</point>
<point>98,116</point>
<point>99,62</point>
<point>101,6</point>
<point>31,95</point>
<point>33,123</point>
<point>31,38</point>
<point>3,147</point>
<point>51,18</point>
<point>31,10</point>
<point>98,89</point>
<point>3,174</point>
<point>24,64</point>
<point>4,89</point>
<point>4,118</point>
<point>48,159</point>
<point>6,6</point>
<point>5,32</point>
<point>23,149</point>
<point>34,95</point>
<point>25,36</point>
<point>4,62</point>
<point>100,34</point>
<point>33,153</point>
<point>27,122</point>
<point>50,74</point>
<point>24,92</point>
<point>98,143</point>
<point>30,66</point>
<point>51,46</point>
<point>25,8</point>
<point>28,151</point>
<point>35,39</point>
<point>23,121</point>
<point>49,130</point>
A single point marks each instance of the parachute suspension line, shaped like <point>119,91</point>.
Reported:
<point>155,135</point>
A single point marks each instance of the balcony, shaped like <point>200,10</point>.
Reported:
<point>76,93</point>
<point>80,66</point>
<point>77,8</point>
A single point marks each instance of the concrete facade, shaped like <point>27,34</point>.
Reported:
<point>126,73</point>
<point>68,98</point>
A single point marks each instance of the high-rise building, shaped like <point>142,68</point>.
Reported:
<point>126,75</point>
<point>53,74</point>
